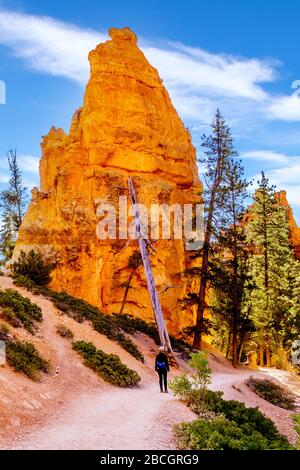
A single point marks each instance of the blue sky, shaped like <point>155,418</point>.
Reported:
<point>241,56</point>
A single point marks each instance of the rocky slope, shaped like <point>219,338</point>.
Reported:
<point>76,409</point>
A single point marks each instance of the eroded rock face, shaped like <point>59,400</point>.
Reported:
<point>294,229</point>
<point>281,197</point>
<point>126,127</point>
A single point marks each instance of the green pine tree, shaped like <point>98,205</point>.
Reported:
<point>7,238</point>
<point>12,204</point>
<point>274,270</point>
<point>233,262</point>
<point>218,150</point>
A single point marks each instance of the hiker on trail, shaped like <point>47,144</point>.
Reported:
<point>162,368</point>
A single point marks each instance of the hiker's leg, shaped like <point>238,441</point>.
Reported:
<point>160,380</point>
<point>166,380</point>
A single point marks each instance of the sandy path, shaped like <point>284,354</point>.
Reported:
<point>119,419</point>
<point>233,387</point>
<point>136,419</point>
<point>77,410</point>
<point>83,411</point>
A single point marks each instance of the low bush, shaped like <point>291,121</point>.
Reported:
<point>181,386</point>
<point>129,346</point>
<point>7,314</point>
<point>64,332</point>
<point>130,324</point>
<point>193,390</point>
<point>24,357</point>
<point>249,419</point>
<point>23,281</point>
<point>108,366</point>
<point>16,309</point>
<point>272,392</point>
<point>219,434</point>
<point>80,311</point>
<point>113,326</point>
<point>34,267</point>
<point>4,331</point>
<point>260,431</point>
<point>296,419</point>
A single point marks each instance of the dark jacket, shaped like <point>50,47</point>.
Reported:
<point>161,357</point>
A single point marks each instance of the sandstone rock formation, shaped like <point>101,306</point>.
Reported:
<point>281,197</point>
<point>126,127</point>
<point>294,229</point>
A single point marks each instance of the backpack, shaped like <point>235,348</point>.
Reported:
<point>161,365</point>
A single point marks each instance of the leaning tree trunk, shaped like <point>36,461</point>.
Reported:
<point>156,307</point>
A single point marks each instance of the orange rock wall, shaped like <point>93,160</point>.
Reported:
<point>294,229</point>
<point>126,127</point>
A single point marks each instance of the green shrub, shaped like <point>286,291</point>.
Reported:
<point>15,306</point>
<point>212,399</point>
<point>202,377</point>
<point>113,326</point>
<point>10,317</point>
<point>219,434</point>
<point>181,386</point>
<point>250,421</point>
<point>272,392</point>
<point>4,331</point>
<point>34,267</point>
<point>24,357</point>
<point>234,426</point>
<point>130,324</point>
<point>193,391</point>
<point>129,346</point>
<point>108,366</point>
<point>296,419</point>
<point>80,311</point>
<point>64,332</point>
<point>23,281</point>
<point>248,418</point>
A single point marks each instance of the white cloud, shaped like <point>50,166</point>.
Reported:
<point>4,178</point>
<point>266,156</point>
<point>49,45</point>
<point>286,177</point>
<point>29,184</point>
<point>198,81</point>
<point>29,163</point>
<point>194,77</point>
<point>286,108</point>
<point>198,70</point>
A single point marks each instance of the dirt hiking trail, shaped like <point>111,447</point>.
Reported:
<point>77,410</point>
